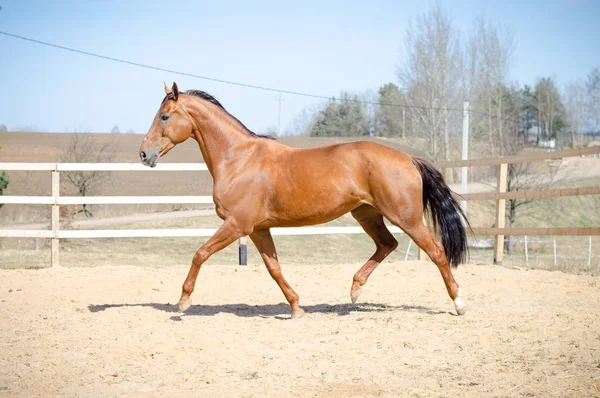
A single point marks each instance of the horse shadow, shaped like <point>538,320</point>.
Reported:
<point>278,311</point>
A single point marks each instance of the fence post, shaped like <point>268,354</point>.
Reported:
<point>526,252</point>
<point>55,218</point>
<point>408,250</point>
<point>500,214</point>
<point>554,247</point>
<point>589,253</point>
<point>243,251</point>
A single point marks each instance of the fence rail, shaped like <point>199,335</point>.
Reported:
<point>500,196</point>
<point>55,233</point>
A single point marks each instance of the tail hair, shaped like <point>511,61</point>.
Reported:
<point>444,211</point>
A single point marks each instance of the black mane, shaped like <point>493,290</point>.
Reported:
<point>207,97</point>
<point>204,96</point>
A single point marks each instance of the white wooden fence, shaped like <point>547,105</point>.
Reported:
<point>55,233</point>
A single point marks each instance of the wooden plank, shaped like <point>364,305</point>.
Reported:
<point>543,194</point>
<point>27,166</point>
<point>500,214</point>
<point>131,167</point>
<point>526,158</point>
<point>102,166</point>
<point>25,233</point>
<point>135,233</point>
<point>92,200</point>
<point>584,231</point>
<point>31,200</point>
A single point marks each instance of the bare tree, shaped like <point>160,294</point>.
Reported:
<point>549,107</point>
<point>489,53</point>
<point>84,148</point>
<point>527,177</point>
<point>430,77</point>
<point>593,98</point>
<point>303,122</point>
<point>575,97</point>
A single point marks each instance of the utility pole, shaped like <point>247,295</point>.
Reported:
<point>465,152</point>
<point>403,121</point>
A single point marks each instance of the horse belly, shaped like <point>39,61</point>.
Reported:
<point>312,206</point>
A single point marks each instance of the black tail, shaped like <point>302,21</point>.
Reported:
<point>444,211</point>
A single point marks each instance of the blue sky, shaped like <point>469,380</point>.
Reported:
<point>318,47</point>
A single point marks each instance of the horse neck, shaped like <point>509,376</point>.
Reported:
<point>222,140</point>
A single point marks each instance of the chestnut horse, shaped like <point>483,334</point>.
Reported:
<point>259,183</point>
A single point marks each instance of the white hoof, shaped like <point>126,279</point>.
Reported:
<point>298,314</point>
<point>354,295</point>
<point>459,304</point>
<point>185,304</point>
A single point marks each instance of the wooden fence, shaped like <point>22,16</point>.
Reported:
<point>55,233</point>
<point>501,195</point>
<point>56,200</point>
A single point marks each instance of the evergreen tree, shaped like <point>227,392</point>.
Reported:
<point>343,117</point>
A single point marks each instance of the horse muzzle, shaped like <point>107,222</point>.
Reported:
<point>149,157</point>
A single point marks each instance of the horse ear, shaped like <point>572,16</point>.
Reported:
<point>175,90</point>
<point>167,89</point>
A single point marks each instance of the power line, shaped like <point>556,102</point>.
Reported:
<point>254,86</point>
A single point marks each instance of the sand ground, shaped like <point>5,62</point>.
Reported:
<point>111,331</point>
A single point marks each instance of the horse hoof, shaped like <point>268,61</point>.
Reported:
<point>354,295</point>
<point>298,314</point>
<point>185,304</point>
<point>461,307</point>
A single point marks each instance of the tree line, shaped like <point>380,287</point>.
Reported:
<point>442,68</point>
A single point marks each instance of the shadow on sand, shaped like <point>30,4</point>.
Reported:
<point>280,311</point>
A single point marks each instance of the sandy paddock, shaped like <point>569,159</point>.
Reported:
<point>111,331</point>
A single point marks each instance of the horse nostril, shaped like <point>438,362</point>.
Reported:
<point>143,155</point>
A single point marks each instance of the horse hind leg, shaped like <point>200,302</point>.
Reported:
<point>372,222</point>
<point>419,233</point>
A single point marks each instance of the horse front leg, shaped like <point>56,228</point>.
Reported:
<point>226,235</point>
<point>264,243</point>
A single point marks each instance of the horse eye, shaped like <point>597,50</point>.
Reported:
<point>164,117</point>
